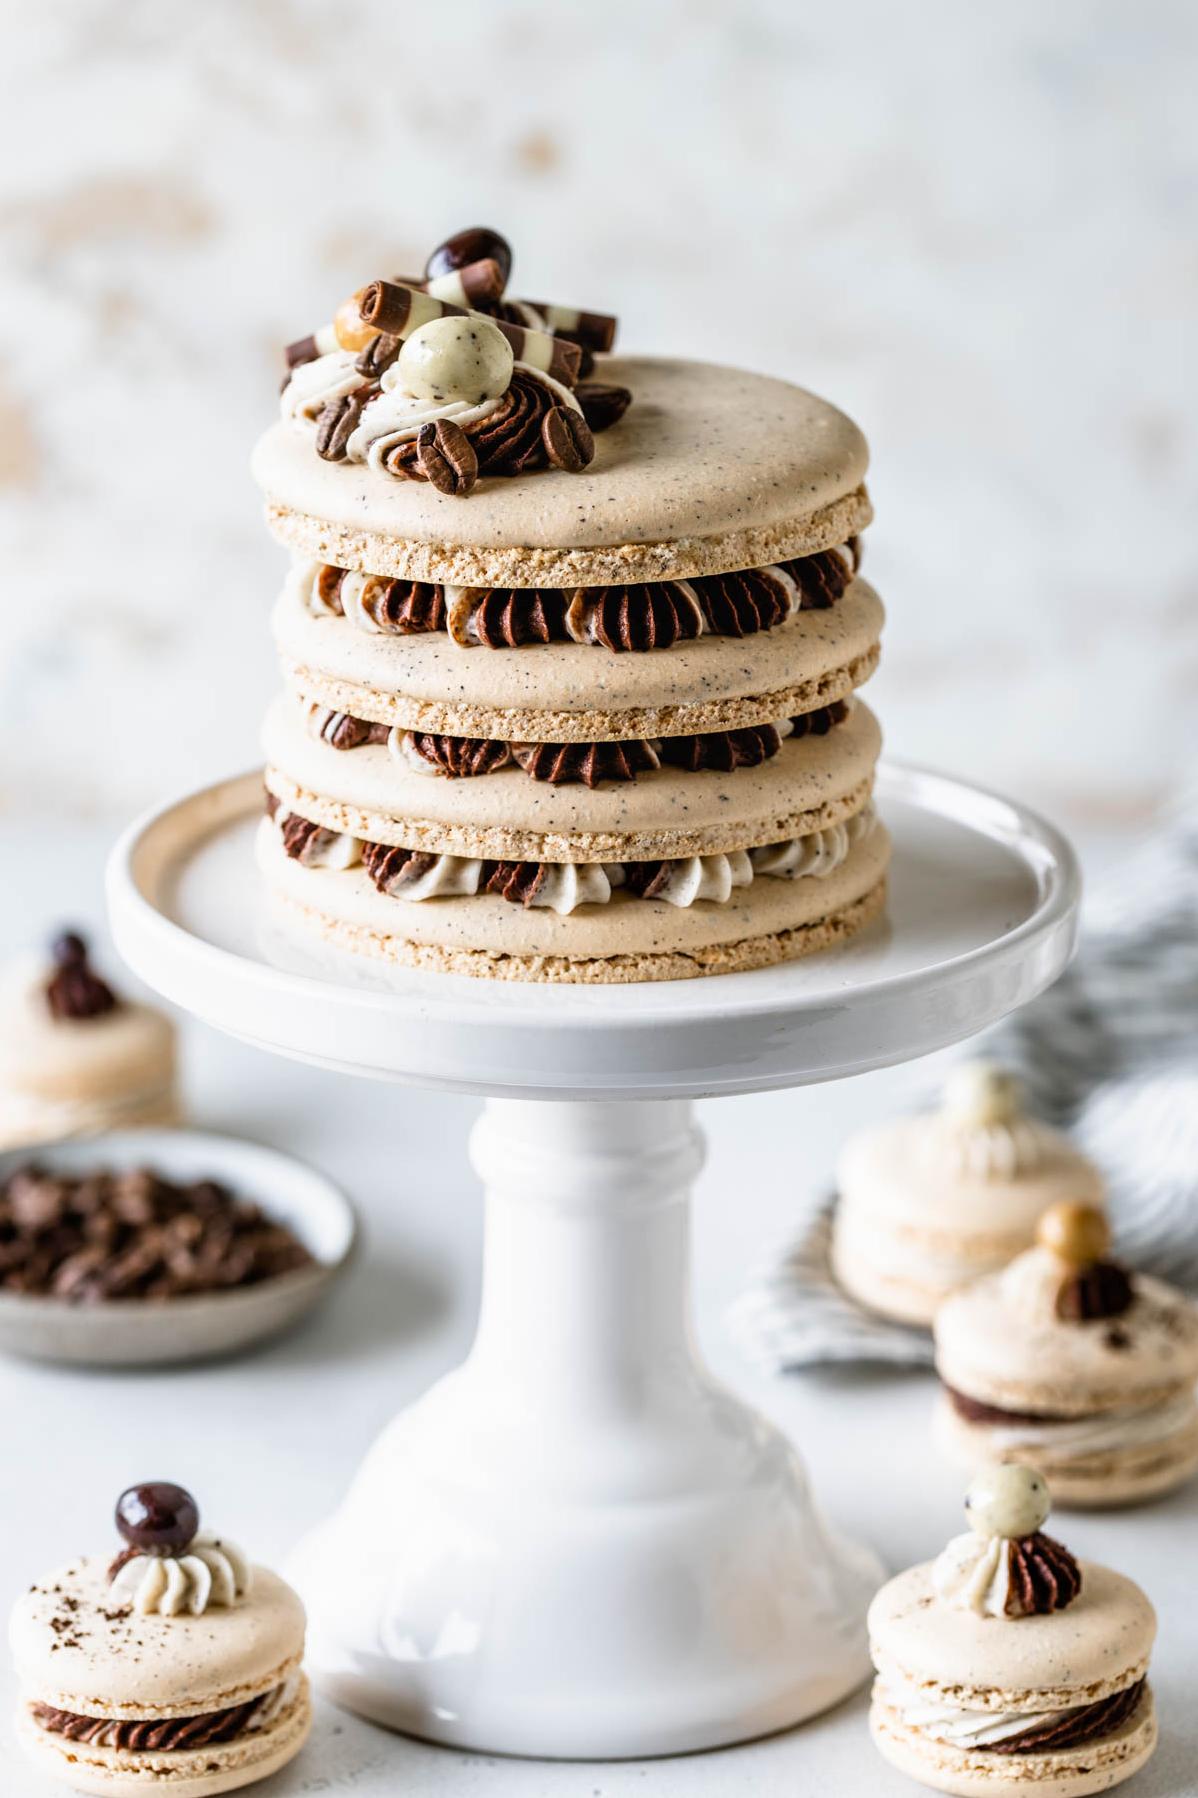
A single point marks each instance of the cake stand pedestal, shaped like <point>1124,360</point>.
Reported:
<point>580,1544</point>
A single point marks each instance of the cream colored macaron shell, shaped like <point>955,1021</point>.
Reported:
<point>921,1211</point>
<point>711,469</point>
<point>72,1654</point>
<point>932,1657</point>
<point>68,1076</point>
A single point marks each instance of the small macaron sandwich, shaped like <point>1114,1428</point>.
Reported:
<point>175,1667</point>
<point>928,1203</point>
<point>1006,1664</point>
<point>1068,1359</point>
<point>75,1058</point>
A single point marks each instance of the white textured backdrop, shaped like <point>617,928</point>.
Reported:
<point>972,226</point>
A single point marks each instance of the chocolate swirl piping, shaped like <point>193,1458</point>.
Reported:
<point>150,1734</point>
<point>1083,1725</point>
<point>1044,1576</point>
<point>589,763</point>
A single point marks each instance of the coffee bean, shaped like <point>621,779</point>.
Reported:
<point>158,1517</point>
<point>602,405</point>
<point>567,438</point>
<point>478,243</point>
<point>445,457</point>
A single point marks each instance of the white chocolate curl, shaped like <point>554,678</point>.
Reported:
<point>212,1572</point>
<point>456,359</point>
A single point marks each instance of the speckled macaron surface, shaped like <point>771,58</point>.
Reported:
<point>76,1653</point>
<point>948,1676</point>
<point>711,469</point>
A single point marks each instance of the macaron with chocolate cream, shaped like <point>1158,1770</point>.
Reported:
<point>929,1203</point>
<point>175,1666</point>
<point>1071,1358</point>
<point>1008,1664</point>
<point>76,1057</point>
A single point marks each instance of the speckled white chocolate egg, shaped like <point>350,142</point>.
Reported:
<point>1008,1500</point>
<point>456,359</point>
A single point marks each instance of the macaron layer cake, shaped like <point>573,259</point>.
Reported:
<point>571,648</point>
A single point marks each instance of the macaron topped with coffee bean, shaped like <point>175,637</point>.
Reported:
<point>1007,1663</point>
<point>1071,1358</point>
<point>173,1663</point>
<point>76,1057</point>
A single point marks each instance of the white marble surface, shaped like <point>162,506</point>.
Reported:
<point>267,1442</point>
<point>972,226</point>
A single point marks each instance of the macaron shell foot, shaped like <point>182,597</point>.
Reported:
<point>904,1301</point>
<point>184,1773</point>
<point>1096,1482</point>
<point>1095,1766</point>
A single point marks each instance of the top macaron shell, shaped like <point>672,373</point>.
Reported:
<point>990,1348</point>
<point>131,1048</point>
<point>711,469</point>
<point>71,1652</point>
<point>1097,1646</point>
<point>892,1175</point>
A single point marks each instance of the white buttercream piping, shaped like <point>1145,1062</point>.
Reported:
<point>973,1573</point>
<point>213,1571</point>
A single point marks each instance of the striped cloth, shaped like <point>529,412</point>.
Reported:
<point>1110,1053</point>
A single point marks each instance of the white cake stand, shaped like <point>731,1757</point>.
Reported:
<point>580,1544</point>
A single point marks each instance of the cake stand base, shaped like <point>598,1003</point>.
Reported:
<point>580,1544</point>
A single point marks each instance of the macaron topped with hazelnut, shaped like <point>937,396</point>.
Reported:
<point>928,1203</point>
<point>172,1664</point>
<point>76,1057</point>
<point>1071,1358</point>
<point>1007,1663</point>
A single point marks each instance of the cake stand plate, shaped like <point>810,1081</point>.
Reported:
<point>579,1543</point>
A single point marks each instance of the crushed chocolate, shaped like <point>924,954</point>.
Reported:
<point>1086,1724</point>
<point>134,1234</point>
<point>1103,1289</point>
<point>75,991</point>
<point>1044,1576</point>
<point>154,1734</point>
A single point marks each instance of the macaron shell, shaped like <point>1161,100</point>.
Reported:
<point>66,1060</point>
<point>1097,1646</point>
<point>710,469</point>
<point>987,1348</point>
<point>184,1773</point>
<point>579,692</point>
<point>812,782</point>
<point>1101,1481</point>
<point>354,914</point>
<point>69,1652</point>
<point>1094,1766</point>
<point>902,1298</point>
<point>891,1175</point>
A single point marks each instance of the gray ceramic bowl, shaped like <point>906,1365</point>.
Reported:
<point>137,1333</point>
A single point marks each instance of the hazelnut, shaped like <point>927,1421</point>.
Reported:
<point>348,328</point>
<point>1076,1233</point>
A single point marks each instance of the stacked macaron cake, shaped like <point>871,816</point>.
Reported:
<point>928,1203</point>
<point>570,646</point>
<point>176,1666</point>
<point>1006,1663</point>
<point>75,1056</point>
<point>1067,1357</point>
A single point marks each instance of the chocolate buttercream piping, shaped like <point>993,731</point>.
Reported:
<point>1104,1289</point>
<point>589,763</point>
<point>149,1734</point>
<point>1044,1576</point>
<point>975,1410</point>
<point>462,758</point>
<point>1075,1727</point>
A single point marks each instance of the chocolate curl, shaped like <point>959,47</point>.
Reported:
<point>396,310</point>
<point>597,330</point>
<point>476,286</point>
